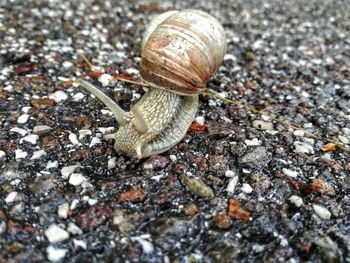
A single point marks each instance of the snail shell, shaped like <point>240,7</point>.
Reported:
<point>181,50</point>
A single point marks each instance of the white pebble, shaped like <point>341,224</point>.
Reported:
<point>299,133</point>
<point>321,211</point>
<point>76,179</point>
<point>106,130</point>
<point>80,243</point>
<point>343,139</point>
<point>2,154</point>
<point>74,204</point>
<point>11,197</point>
<point>19,130</point>
<point>200,120</point>
<point>246,188</point>
<point>55,234</point>
<point>38,154</point>
<point>51,164</point>
<point>31,138</point>
<point>20,154</point>
<point>55,254</point>
<point>173,157</point>
<point>92,202</point>
<point>94,141</point>
<point>84,133</point>
<point>68,170</point>
<point>111,163</point>
<point>290,173</point>
<point>78,96</point>
<point>74,229</point>
<point>106,79</point>
<point>296,200</point>
<point>59,96</point>
<point>63,210</point>
<point>232,185</point>
<point>26,109</point>
<point>230,173</point>
<point>67,64</point>
<point>253,142</point>
<point>73,139</point>
<point>147,246</point>
<point>301,147</point>
<point>106,112</point>
<point>23,118</point>
<point>41,128</point>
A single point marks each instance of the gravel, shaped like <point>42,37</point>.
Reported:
<point>243,186</point>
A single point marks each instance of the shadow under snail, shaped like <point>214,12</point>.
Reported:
<point>180,51</point>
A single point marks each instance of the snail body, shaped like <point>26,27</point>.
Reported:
<point>176,61</point>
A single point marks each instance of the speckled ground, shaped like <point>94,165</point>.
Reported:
<point>241,187</point>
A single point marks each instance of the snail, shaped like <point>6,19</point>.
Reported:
<point>180,51</point>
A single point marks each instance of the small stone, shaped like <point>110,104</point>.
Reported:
<point>51,164</point>
<point>173,158</point>
<point>76,179</point>
<point>74,229</point>
<point>67,64</point>
<point>94,141</point>
<point>343,139</point>
<point>31,138</point>
<point>78,96</point>
<point>230,173</point>
<point>232,184</point>
<point>2,154</point>
<point>299,133</point>
<point>222,221</point>
<point>134,194</point>
<point>108,130</point>
<point>55,254</point>
<point>63,210</point>
<point>290,173</point>
<point>322,212</point>
<point>68,170</point>
<point>246,188</point>
<point>111,163</point>
<point>200,120</point>
<point>38,154</point>
<point>73,138</point>
<point>302,147</point>
<point>84,133</point>
<point>23,118</point>
<point>93,217</point>
<point>146,245</point>
<point>296,200</point>
<point>11,197</point>
<point>43,103</point>
<point>155,162</point>
<point>253,142</point>
<point>59,96</point>
<point>20,154</point>
<point>106,79</point>
<point>262,125</point>
<point>41,129</point>
<point>19,130</point>
<point>191,210</point>
<point>55,234</point>
<point>80,243</point>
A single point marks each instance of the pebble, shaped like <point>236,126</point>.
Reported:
<point>11,197</point>
<point>78,96</point>
<point>23,118</point>
<point>19,130</point>
<point>55,234</point>
<point>343,139</point>
<point>51,164</point>
<point>299,133</point>
<point>55,254</point>
<point>76,179</point>
<point>230,173</point>
<point>302,147</point>
<point>200,120</point>
<point>67,64</point>
<point>73,139</point>
<point>296,200</point>
<point>262,125</point>
<point>232,183</point>
<point>84,133</point>
<point>80,244</point>
<point>253,142</point>
<point>246,188</point>
<point>94,141</point>
<point>38,154</point>
<point>68,170</point>
<point>41,129</point>
<point>63,210</point>
<point>31,138</point>
<point>106,130</point>
<point>106,79</point>
<point>59,96</point>
<point>322,212</point>
<point>2,154</point>
<point>173,158</point>
<point>290,173</point>
<point>20,154</point>
<point>74,229</point>
<point>111,163</point>
<point>146,245</point>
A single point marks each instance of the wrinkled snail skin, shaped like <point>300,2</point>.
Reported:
<point>180,51</point>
